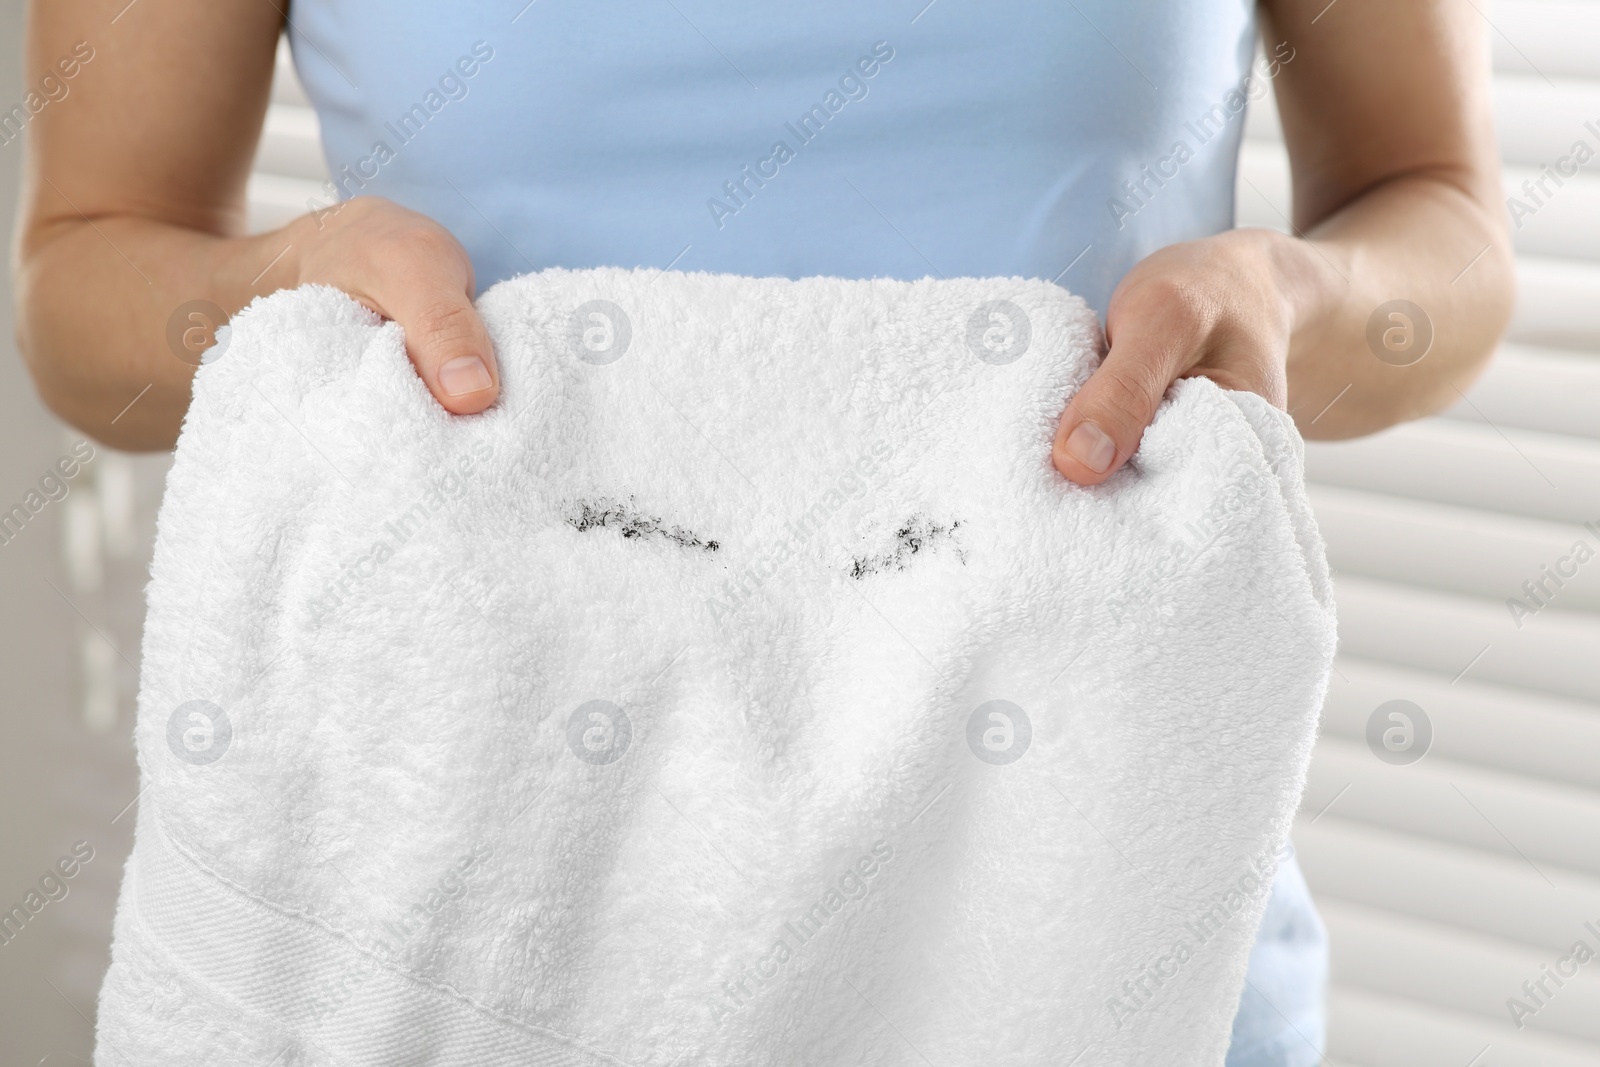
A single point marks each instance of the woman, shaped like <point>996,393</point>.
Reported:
<point>1092,143</point>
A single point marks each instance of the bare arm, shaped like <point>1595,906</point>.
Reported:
<point>1386,115</point>
<point>133,205</point>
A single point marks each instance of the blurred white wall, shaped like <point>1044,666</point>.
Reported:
<point>66,690</point>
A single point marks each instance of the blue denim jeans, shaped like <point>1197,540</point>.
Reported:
<point>1282,1020</point>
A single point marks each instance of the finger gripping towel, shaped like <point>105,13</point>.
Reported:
<point>744,687</point>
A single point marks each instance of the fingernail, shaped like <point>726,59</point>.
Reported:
<point>464,374</point>
<point>1089,445</point>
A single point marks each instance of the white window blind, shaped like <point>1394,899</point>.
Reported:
<point>1449,882</point>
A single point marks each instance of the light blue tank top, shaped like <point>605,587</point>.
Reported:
<point>843,137</point>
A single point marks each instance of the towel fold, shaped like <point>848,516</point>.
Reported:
<point>743,687</point>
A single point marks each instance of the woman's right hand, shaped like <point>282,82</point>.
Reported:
<point>408,268</point>
<point>128,221</point>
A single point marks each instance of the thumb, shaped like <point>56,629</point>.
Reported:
<point>447,343</point>
<point>1105,419</point>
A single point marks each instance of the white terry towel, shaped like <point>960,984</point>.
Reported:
<point>745,687</point>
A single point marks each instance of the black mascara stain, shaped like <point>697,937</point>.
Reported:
<point>631,523</point>
<point>919,534</point>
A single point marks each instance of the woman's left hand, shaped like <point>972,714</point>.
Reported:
<point>1398,222</point>
<point>1212,307</point>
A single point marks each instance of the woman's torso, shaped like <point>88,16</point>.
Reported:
<point>950,138</point>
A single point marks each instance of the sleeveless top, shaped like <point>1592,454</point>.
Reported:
<point>1063,141</point>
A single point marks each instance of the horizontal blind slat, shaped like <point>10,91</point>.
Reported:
<point>1458,550</point>
<point>1420,877</point>
<point>1549,827</point>
<point>1551,38</point>
<point>1474,465</point>
<point>1377,1029</point>
<point>1550,390</point>
<point>1538,735</point>
<point>1459,971</point>
<point>1461,636</point>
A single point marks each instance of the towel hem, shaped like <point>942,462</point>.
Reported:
<point>281,966</point>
